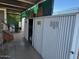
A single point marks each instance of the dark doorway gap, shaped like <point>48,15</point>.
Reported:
<point>30,30</point>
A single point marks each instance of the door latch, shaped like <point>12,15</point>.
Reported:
<point>71,52</point>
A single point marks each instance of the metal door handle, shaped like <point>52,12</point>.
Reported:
<point>71,52</point>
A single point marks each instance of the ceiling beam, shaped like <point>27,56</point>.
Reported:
<point>18,10</point>
<point>13,13</point>
<point>26,1</point>
<point>12,5</point>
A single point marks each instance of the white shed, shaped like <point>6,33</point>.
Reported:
<point>56,37</point>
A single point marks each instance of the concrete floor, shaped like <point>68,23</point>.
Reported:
<point>18,49</point>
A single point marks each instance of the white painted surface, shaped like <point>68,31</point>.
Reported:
<point>23,23</point>
<point>26,29</point>
<point>38,34</point>
<point>55,37</point>
<point>75,42</point>
<point>20,24</point>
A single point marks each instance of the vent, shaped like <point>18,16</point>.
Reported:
<point>54,25</point>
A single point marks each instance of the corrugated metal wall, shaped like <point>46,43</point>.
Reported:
<point>57,36</point>
<point>54,36</point>
<point>38,34</point>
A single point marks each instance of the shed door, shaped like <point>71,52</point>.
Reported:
<point>57,37</point>
<point>37,34</point>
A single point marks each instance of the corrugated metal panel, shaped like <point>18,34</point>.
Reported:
<point>25,28</point>
<point>37,35</point>
<point>53,38</point>
<point>74,47</point>
<point>56,38</point>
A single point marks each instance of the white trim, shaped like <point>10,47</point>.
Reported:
<point>26,1</point>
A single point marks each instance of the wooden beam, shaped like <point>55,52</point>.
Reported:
<point>12,5</point>
<point>19,10</point>
<point>12,8</point>
<point>13,13</point>
<point>26,1</point>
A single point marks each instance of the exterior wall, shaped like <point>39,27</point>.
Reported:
<point>26,29</point>
<point>46,8</point>
<point>40,12</point>
<point>4,17</point>
<point>2,26</point>
<point>55,36</point>
<point>1,18</point>
<point>38,34</point>
<point>75,42</point>
<point>23,23</point>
